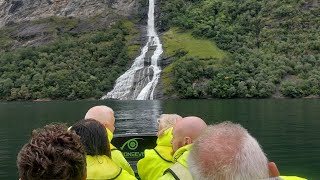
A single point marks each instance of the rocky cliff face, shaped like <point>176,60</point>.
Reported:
<point>30,23</point>
<point>15,11</point>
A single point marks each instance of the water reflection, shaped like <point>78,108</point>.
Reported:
<point>4,154</point>
<point>142,114</point>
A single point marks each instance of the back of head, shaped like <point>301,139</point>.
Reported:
<point>93,136</point>
<point>103,114</point>
<point>190,126</point>
<point>167,121</point>
<point>226,151</point>
<point>52,153</point>
<point>186,131</point>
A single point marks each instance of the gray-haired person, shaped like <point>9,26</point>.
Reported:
<point>226,151</point>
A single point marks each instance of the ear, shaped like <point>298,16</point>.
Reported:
<point>273,170</point>
<point>187,140</point>
<point>105,124</point>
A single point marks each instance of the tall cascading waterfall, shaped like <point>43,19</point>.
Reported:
<point>140,81</point>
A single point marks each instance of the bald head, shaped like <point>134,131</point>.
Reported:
<point>103,114</point>
<point>227,151</point>
<point>186,131</point>
<point>190,126</point>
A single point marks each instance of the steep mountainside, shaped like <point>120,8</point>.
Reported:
<point>14,11</point>
<point>66,49</point>
<point>30,22</point>
<point>272,48</point>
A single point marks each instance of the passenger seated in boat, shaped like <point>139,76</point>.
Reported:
<point>99,162</point>
<point>105,116</point>
<point>157,160</point>
<point>184,133</point>
<point>227,151</point>
<point>53,152</point>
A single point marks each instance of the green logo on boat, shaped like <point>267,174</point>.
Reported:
<point>131,143</point>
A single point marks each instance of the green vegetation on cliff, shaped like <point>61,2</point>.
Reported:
<point>272,47</point>
<point>184,44</point>
<point>75,66</point>
<point>175,41</point>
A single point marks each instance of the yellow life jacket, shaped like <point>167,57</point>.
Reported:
<point>182,154</point>
<point>117,156</point>
<point>292,178</point>
<point>102,167</point>
<point>156,160</point>
<point>180,168</point>
<point>179,172</point>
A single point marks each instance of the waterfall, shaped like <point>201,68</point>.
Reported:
<point>140,81</point>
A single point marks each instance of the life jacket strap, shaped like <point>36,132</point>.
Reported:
<point>161,156</point>
<point>117,175</point>
<point>179,172</point>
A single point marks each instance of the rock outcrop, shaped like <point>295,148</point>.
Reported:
<point>15,11</point>
<point>32,23</point>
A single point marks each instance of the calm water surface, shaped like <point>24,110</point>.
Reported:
<point>287,129</point>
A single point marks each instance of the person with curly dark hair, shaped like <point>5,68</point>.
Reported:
<point>100,164</point>
<point>52,153</point>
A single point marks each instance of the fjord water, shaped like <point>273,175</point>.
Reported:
<point>287,129</point>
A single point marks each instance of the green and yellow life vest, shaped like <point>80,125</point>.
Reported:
<point>117,156</point>
<point>292,178</point>
<point>180,168</point>
<point>156,160</point>
<point>102,167</point>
